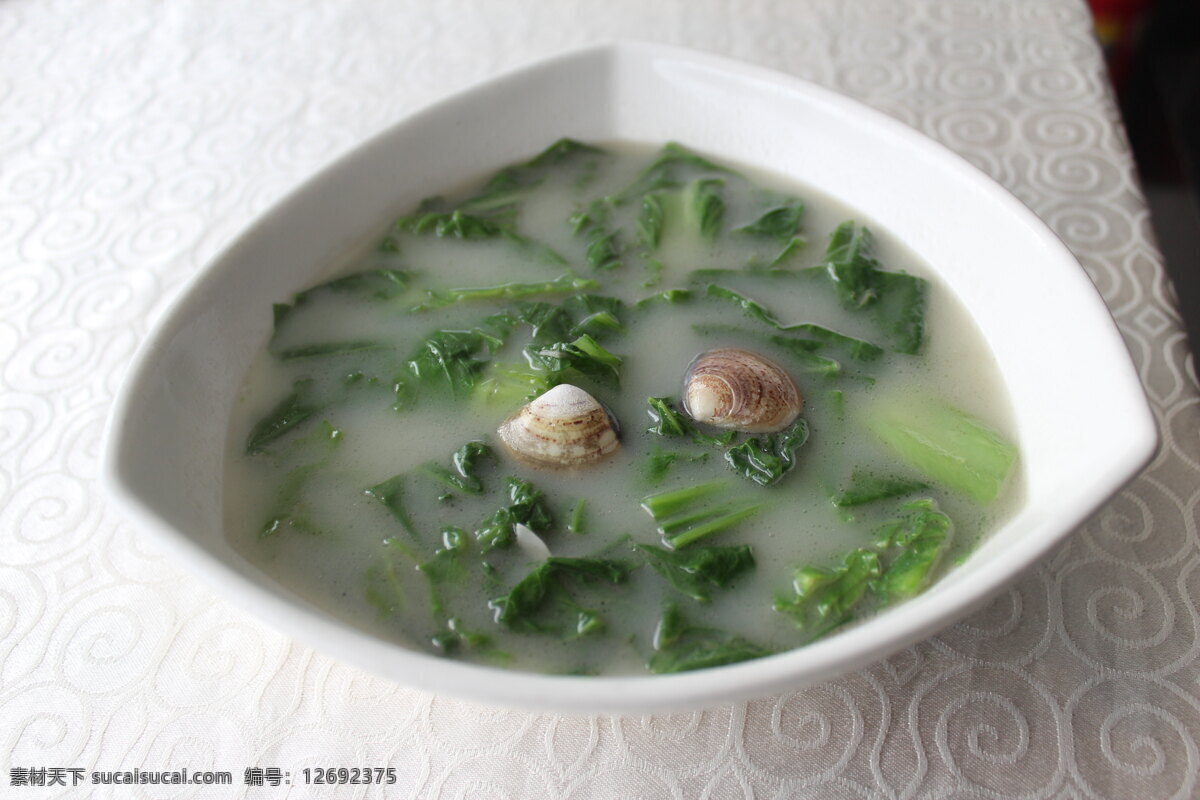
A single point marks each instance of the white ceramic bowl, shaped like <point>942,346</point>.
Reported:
<point>1084,425</point>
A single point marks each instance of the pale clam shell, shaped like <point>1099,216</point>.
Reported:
<point>740,390</point>
<point>565,427</point>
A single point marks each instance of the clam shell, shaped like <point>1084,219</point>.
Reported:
<point>741,390</point>
<point>565,427</point>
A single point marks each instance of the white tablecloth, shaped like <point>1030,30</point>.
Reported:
<point>137,137</point>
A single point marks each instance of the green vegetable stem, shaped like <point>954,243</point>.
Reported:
<point>685,516</point>
<point>946,445</point>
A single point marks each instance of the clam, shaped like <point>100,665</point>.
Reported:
<point>565,427</point>
<point>737,389</point>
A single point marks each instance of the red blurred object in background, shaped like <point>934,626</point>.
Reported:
<point>1118,24</point>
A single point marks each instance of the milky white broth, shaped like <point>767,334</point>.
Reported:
<point>333,558</point>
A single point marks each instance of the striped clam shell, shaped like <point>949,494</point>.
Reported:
<point>740,390</point>
<point>565,427</point>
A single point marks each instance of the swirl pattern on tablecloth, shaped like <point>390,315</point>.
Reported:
<point>137,141</point>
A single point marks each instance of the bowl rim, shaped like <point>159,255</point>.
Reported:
<point>850,649</point>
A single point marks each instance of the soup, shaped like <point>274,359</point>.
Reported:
<point>476,439</point>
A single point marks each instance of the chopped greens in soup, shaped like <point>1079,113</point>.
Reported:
<point>612,411</point>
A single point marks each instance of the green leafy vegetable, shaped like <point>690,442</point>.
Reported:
<point>752,308</point>
<point>451,360</point>
<point>659,463</point>
<point>581,306</point>
<point>857,348</point>
<point>470,228</point>
<point>452,224</point>
<point>389,588</point>
<point>781,221</point>
<point>706,207</point>
<point>385,588</point>
<point>550,323</point>
<point>358,379</point>
<point>446,566</point>
<point>801,351</point>
<point>596,214</point>
<point>522,606</point>
<point>681,646</point>
<point>512,385</point>
<point>527,506</point>
<point>508,187</point>
<point>825,598</point>
<point>403,393</point>
<point>575,523</point>
<point>589,347</point>
<point>946,445</point>
<point>464,476</point>
<point>912,543</point>
<point>670,423</point>
<point>564,284</point>
<point>668,296</point>
<point>673,167</point>
<point>497,530</point>
<point>837,403</point>
<point>896,300</point>
<point>579,314</point>
<point>867,487</point>
<point>500,196</point>
<point>650,220</point>
<point>765,460</point>
<point>667,421</point>
<point>534,249</point>
<point>697,571</point>
<point>558,348</point>
<point>853,271</point>
<point>447,358</point>
<point>562,151</point>
<point>595,314</point>
<point>371,284</point>
<point>327,349</point>
<point>585,356</point>
<point>455,637</point>
<point>279,313</point>
<point>654,272</point>
<point>391,494</point>
<point>292,411</point>
<point>601,249</point>
<point>292,506</point>
<point>793,246</point>
<point>597,325</point>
